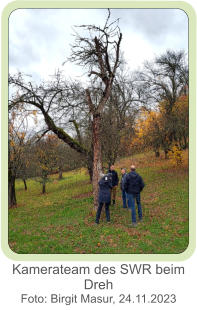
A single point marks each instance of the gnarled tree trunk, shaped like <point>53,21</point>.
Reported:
<point>44,188</point>
<point>90,166</point>
<point>157,153</point>
<point>97,162</point>
<point>166,154</point>
<point>11,191</point>
<point>60,173</point>
<point>25,184</point>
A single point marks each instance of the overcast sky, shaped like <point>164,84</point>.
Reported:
<point>39,39</point>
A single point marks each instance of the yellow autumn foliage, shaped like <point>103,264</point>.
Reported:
<point>176,156</point>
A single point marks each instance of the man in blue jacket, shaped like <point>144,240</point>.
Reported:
<point>133,185</point>
<point>105,186</point>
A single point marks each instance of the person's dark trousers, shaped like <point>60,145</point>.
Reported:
<point>113,193</point>
<point>124,199</point>
<point>98,213</point>
<point>131,205</point>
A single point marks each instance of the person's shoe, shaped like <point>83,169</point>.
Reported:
<point>108,222</point>
<point>133,225</point>
<point>96,223</point>
<point>140,220</point>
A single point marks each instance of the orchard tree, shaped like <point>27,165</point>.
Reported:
<point>148,131</point>
<point>164,80</point>
<point>118,119</point>
<point>152,128</point>
<point>46,159</point>
<point>18,144</point>
<point>66,158</point>
<point>181,114</point>
<point>99,53</point>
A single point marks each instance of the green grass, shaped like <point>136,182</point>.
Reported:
<point>62,221</point>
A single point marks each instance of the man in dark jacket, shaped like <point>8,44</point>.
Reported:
<point>105,186</point>
<point>123,177</point>
<point>115,181</point>
<point>133,185</point>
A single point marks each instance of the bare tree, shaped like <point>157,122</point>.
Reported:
<point>60,101</point>
<point>164,80</point>
<point>118,119</point>
<point>46,157</point>
<point>99,53</point>
<point>18,142</point>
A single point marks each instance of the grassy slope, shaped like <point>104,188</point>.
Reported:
<point>61,221</point>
